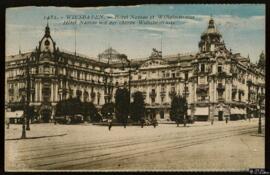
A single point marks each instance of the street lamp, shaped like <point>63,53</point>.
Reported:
<point>260,118</point>
<point>27,94</point>
<point>248,106</point>
<point>23,122</point>
<point>185,83</point>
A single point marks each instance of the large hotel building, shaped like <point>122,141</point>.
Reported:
<point>216,82</point>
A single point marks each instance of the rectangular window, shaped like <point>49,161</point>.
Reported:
<point>162,89</point>
<point>163,74</point>
<point>219,68</point>
<point>202,68</point>
<point>186,76</point>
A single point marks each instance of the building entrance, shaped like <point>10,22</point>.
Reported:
<point>220,115</point>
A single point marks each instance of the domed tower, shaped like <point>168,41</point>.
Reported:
<point>46,45</point>
<point>211,38</point>
<point>261,63</point>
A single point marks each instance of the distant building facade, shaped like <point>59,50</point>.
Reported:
<point>216,82</point>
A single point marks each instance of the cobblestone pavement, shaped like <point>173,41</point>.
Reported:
<point>200,146</point>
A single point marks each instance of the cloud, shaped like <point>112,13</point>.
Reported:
<point>228,21</point>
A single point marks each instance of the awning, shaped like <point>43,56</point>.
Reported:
<point>242,111</point>
<point>235,111</point>
<point>188,112</point>
<point>201,111</point>
<point>14,114</point>
<point>238,111</point>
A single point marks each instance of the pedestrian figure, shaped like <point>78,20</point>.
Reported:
<point>185,122</point>
<point>212,121</point>
<point>142,122</point>
<point>226,120</point>
<point>154,122</point>
<point>109,124</point>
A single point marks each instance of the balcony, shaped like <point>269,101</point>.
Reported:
<point>107,95</point>
<point>186,93</point>
<point>221,74</point>
<point>144,94</point>
<point>152,94</point>
<point>249,82</point>
<point>63,90</point>
<point>241,91</point>
<point>234,89</point>
<point>202,87</point>
<point>32,90</point>
<point>220,99</point>
<point>172,94</point>
<point>93,95</point>
<point>11,91</point>
<point>162,94</point>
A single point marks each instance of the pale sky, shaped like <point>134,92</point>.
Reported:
<point>242,27</point>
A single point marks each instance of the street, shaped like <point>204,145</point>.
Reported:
<point>201,146</point>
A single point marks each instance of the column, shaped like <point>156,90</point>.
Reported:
<point>195,93</point>
<point>102,97</point>
<point>56,92</point>
<point>52,92</point>
<point>36,91</point>
<point>40,91</point>
<point>158,90</point>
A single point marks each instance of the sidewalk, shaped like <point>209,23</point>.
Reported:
<point>51,130</point>
<point>36,131</point>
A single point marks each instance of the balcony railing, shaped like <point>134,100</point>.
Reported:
<point>162,93</point>
<point>249,82</point>
<point>11,91</point>
<point>203,86</point>
<point>220,99</point>
<point>221,74</point>
<point>172,93</point>
<point>153,94</point>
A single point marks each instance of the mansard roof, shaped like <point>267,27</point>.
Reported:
<point>170,59</point>
<point>112,57</point>
<point>78,56</point>
<point>18,56</point>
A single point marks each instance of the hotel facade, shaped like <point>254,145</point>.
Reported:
<point>216,82</point>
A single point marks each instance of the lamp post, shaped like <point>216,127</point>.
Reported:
<point>129,80</point>
<point>23,122</point>
<point>27,94</point>
<point>185,115</point>
<point>260,119</point>
<point>123,56</point>
<point>248,106</point>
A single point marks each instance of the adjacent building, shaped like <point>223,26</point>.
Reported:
<point>216,82</point>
